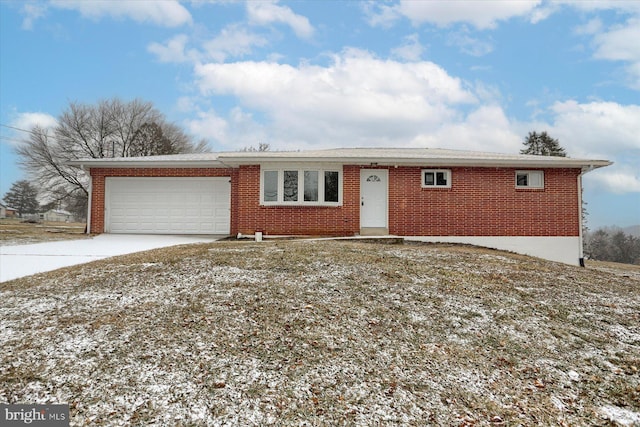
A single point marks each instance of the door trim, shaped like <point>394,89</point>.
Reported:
<point>375,231</point>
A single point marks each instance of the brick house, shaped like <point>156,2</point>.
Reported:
<point>522,203</point>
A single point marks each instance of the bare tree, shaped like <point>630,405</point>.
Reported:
<point>262,146</point>
<point>110,128</point>
<point>149,140</point>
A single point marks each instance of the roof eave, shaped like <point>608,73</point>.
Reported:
<point>224,161</point>
<point>385,161</point>
<point>147,164</point>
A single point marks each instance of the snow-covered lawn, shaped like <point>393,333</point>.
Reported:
<point>325,333</point>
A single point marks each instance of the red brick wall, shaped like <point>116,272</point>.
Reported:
<point>298,220</point>
<point>98,177</point>
<point>483,202</point>
<point>480,202</point>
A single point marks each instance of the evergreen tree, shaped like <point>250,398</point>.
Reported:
<point>542,144</point>
<point>22,196</point>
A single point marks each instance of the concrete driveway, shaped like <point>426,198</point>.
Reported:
<point>25,260</point>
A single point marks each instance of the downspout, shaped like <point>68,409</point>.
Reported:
<point>580,236</point>
<point>89,202</point>
<point>233,215</point>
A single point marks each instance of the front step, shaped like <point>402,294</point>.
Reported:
<point>374,231</point>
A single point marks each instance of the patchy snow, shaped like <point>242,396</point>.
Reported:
<point>25,260</point>
<point>621,416</point>
<point>309,333</point>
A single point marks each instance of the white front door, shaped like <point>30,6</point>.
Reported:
<point>373,198</point>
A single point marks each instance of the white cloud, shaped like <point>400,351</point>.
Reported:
<point>173,50</point>
<point>597,128</point>
<point>626,6</point>
<point>484,129</point>
<point>542,12</point>
<point>616,179</point>
<point>593,26</point>
<point>357,99</point>
<point>480,14</point>
<point>27,121</point>
<point>22,123</point>
<point>234,132</point>
<point>620,43</point>
<point>32,11</point>
<point>602,130</point>
<point>379,14</point>
<point>167,13</point>
<point>268,12</point>
<point>469,45</point>
<point>208,125</point>
<point>410,50</point>
<point>233,41</point>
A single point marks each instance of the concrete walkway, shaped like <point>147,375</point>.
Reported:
<point>25,260</point>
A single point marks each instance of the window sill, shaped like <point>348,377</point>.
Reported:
<point>435,187</point>
<point>300,205</point>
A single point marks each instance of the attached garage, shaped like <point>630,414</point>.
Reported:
<point>168,205</point>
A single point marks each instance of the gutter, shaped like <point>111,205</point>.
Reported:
<point>580,224</point>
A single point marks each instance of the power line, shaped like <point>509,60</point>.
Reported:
<point>8,138</point>
<point>17,128</point>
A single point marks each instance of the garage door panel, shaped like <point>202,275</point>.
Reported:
<point>168,205</point>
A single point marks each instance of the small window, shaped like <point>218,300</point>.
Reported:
<point>436,178</point>
<point>529,179</point>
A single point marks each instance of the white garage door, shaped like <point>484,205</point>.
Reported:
<point>168,205</point>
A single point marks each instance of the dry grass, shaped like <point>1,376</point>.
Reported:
<point>325,333</point>
<point>15,232</point>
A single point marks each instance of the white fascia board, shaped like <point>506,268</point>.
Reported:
<point>99,163</point>
<point>450,162</point>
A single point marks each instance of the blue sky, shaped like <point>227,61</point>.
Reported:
<point>459,74</point>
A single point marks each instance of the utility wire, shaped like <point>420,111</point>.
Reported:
<point>7,138</point>
<point>16,128</point>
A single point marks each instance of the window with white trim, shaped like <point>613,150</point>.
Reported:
<point>529,179</point>
<point>438,178</point>
<point>308,186</point>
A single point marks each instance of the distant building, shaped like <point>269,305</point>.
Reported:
<point>7,211</point>
<point>57,215</point>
